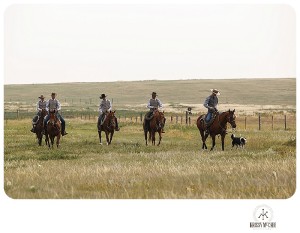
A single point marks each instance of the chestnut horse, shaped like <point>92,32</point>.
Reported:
<point>108,127</point>
<point>219,126</point>
<point>156,124</point>
<point>40,127</point>
<point>53,129</point>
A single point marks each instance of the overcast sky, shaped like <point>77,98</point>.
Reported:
<point>92,43</point>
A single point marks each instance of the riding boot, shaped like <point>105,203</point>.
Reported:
<point>63,130</point>
<point>33,128</point>
<point>162,130</point>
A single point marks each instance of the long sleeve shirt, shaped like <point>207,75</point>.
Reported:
<point>41,105</point>
<point>211,103</point>
<point>154,103</point>
<point>105,105</point>
<point>53,104</point>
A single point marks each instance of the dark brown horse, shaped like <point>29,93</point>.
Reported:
<point>40,126</point>
<point>219,126</point>
<point>53,129</point>
<point>156,124</point>
<point>108,127</point>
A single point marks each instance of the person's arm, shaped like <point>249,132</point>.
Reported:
<point>206,103</point>
<point>159,103</point>
<point>109,107</point>
<point>58,105</point>
<point>38,107</point>
<point>149,106</point>
<point>47,106</point>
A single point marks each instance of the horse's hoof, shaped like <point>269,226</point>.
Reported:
<point>100,143</point>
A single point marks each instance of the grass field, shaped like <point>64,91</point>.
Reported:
<point>81,168</point>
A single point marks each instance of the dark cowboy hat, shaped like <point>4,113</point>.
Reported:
<point>215,91</point>
<point>102,96</point>
<point>42,97</point>
<point>53,93</point>
<point>154,93</point>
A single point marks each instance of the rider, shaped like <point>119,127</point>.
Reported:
<point>153,104</point>
<point>105,106</point>
<point>41,104</point>
<point>53,104</point>
<point>211,103</point>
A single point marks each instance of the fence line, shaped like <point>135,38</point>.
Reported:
<point>273,122</point>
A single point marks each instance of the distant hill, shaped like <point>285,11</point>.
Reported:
<point>137,93</point>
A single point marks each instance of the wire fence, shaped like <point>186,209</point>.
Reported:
<point>257,121</point>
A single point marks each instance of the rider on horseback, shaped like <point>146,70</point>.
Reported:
<point>105,106</point>
<point>53,104</point>
<point>41,104</point>
<point>153,104</point>
<point>211,103</point>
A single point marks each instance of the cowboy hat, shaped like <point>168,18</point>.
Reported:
<point>215,91</point>
<point>41,97</point>
<point>53,93</point>
<point>102,96</point>
<point>154,93</point>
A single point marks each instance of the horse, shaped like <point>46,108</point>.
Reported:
<point>40,126</point>
<point>53,129</point>
<point>156,124</point>
<point>218,126</point>
<point>108,127</point>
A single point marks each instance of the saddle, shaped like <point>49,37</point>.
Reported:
<point>149,116</point>
<point>208,124</point>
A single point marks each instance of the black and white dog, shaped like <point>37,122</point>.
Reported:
<point>238,141</point>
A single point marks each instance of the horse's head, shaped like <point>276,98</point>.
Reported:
<point>111,118</point>
<point>53,118</point>
<point>159,118</point>
<point>43,113</point>
<point>231,118</point>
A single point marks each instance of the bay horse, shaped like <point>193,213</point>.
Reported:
<point>219,126</point>
<point>108,127</point>
<point>156,124</point>
<point>53,129</point>
<point>40,126</point>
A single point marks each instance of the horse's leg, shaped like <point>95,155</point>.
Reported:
<point>159,135</point>
<point>111,136</point>
<point>52,140</point>
<point>223,139</point>
<point>153,137</point>
<point>107,138</point>
<point>203,138</point>
<point>57,140</point>
<point>213,137</point>
<point>145,133</point>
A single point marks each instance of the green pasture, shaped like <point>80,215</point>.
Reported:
<point>178,168</point>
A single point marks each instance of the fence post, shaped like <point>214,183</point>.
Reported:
<point>272,122</point>
<point>189,120</point>
<point>245,122</point>
<point>259,122</point>
<point>136,119</point>
<point>141,117</point>
<point>176,119</point>
<point>284,122</point>
<point>18,114</point>
<point>171,119</point>
<point>186,117</point>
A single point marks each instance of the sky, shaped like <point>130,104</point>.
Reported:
<point>97,43</point>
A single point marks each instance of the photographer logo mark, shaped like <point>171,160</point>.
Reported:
<point>263,216</point>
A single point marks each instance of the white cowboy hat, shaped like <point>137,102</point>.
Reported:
<point>215,91</point>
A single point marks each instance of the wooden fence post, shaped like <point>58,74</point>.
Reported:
<point>272,122</point>
<point>186,117</point>
<point>259,122</point>
<point>18,114</point>
<point>245,122</point>
<point>284,122</point>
